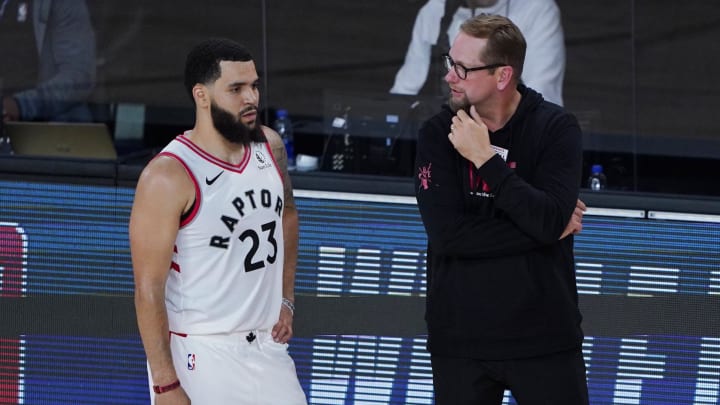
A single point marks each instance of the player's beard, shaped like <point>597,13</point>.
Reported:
<point>232,128</point>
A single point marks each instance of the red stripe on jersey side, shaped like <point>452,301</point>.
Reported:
<point>13,254</point>
<point>198,196</point>
<point>174,265</point>
<point>10,373</point>
<point>238,168</point>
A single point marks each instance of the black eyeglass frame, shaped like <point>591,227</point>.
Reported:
<point>462,71</point>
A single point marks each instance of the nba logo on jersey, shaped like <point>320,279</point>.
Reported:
<point>262,160</point>
<point>191,361</point>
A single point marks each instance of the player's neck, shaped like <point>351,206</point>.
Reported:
<point>205,136</point>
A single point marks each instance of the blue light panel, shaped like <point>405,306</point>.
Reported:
<point>74,242</point>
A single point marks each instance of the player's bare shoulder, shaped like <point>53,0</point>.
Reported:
<point>163,169</point>
<point>165,178</point>
<point>277,146</point>
<point>272,137</point>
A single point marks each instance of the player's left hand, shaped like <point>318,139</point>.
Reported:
<point>283,331</point>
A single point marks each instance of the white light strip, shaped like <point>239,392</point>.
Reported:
<point>604,212</point>
<point>333,195</point>
<point>615,212</point>
<point>681,216</point>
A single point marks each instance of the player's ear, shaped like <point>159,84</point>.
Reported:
<point>200,94</point>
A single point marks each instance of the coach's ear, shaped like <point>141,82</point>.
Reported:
<point>504,76</point>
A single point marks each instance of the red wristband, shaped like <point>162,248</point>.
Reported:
<point>159,389</point>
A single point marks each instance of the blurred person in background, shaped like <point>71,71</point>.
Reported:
<point>438,22</point>
<point>48,52</point>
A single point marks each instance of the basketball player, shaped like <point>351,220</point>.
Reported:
<point>213,237</point>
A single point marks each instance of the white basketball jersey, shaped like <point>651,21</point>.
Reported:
<point>226,273</point>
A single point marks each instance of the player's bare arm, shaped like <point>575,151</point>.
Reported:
<point>282,331</point>
<point>163,193</point>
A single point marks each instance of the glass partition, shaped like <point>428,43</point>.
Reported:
<point>639,76</point>
<point>628,70</point>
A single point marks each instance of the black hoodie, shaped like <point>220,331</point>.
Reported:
<point>500,284</point>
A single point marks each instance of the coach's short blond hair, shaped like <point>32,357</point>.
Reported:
<point>505,42</point>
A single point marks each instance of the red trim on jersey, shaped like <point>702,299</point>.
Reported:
<point>173,264</point>
<point>198,196</point>
<point>178,334</point>
<point>212,159</point>
<point>277,167</point>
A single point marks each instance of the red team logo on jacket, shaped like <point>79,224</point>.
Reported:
<point>478,185</point>
<point>424,176</point>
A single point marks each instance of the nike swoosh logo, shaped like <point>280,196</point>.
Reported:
<point>210,182</point>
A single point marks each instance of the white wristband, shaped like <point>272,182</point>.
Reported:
<point>289,305</point>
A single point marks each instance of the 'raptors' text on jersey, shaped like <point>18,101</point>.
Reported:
<point>226,273</point>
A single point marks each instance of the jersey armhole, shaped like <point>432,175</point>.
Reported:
<point>187,216</point>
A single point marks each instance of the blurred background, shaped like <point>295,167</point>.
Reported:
<point>639,74</point>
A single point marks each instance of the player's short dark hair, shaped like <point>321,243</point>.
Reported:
<point>203,62</point>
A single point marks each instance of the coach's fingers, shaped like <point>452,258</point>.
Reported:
<point>581,204</point>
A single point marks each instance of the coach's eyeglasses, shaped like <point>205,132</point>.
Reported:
<point>461,70</point>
